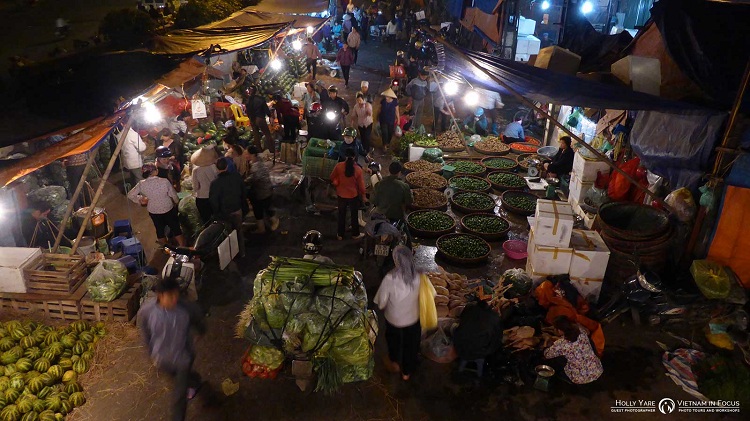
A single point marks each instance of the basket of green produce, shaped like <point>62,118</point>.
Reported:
<point>472,202</point>
<point>518,202</point>
<point>421,165</point>
<point>498,163</point>
<point>489,227</point>
<point>427,180</point>
<point>468,168</point>
<point>430,223</point>
<point>463,249</point>
<point>426,142</point>
<point>428,199</point>
<point>503,181</point>
<point>469,183</point>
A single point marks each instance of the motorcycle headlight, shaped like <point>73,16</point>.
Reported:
<point>331,115</point>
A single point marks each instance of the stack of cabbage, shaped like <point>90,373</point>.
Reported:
<point>39,368</point>
<point>315,311</point>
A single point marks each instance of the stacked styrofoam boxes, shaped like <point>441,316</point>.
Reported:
<point>549,239</point>
<point>582,179</point>
<point>588,264</point>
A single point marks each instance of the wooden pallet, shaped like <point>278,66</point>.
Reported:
<point>50,306</point>
<point>122,309</point>
<point>65,275</point>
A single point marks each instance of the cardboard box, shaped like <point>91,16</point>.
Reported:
<point>527,45</point>
<point>558,59</point>
<point>590,256</point>
<point>642,74</point>
<point>548,260</point>
<point>553,223</point>
<point>526,26</point>
<point>524,58</point>
<point>586,168</point>
<point>588,220</point>
<point>589,289</point>
<point>13,261</point>
<point>578,188</point>
<point>536,278</point>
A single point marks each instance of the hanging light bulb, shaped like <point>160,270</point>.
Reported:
<point>471,98</point>
<point>450,88</point>
<point>275,64</point>
<point>310,30</point>
<point>587,7</point>
<point>297,44</point>
<point>545,5</point>
<point>151,114</point>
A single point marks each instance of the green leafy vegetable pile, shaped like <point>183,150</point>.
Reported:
<point>107,281</point>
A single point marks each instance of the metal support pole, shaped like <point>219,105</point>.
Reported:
<point>102,182</point>
<point>73,199</point>
<point>563,128</point>
<point>732,119</point>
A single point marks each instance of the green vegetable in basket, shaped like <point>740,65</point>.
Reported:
<point>474,201</point>
<point>469,183</point>
<point>486,224</point>
<point>507,179</point>
<point>499,163</point>
<point>467,167</point>
<point>107,281</point>
<point>521,201</point>
<point>431,221</point>
<point>463,246</point>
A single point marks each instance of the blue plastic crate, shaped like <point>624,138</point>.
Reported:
<point>130,262</point>
<point>123,228</point>
<point>131,246</point>
<point>115,244</point>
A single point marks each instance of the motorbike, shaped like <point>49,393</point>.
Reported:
<point>185,264</point>
<point>530,117</point>
<point>382,237</point>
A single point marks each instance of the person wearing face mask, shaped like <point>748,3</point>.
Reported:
<point>362,117</point>
<point>476,123</point>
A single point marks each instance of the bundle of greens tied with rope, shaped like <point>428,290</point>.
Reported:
<point>315,312</point>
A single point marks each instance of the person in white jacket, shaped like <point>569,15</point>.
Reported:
<point>131,154</point>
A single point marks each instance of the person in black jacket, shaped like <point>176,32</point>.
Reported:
<point>228,199</point>
<point>562,163</point>
<point>479,333</point>
<point>257,110</point>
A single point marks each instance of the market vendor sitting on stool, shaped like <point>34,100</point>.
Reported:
<point>572,355</point>
<point>514,132</point>
<point>562,163</point>
<point>476,123</point>
<point>312,243</point>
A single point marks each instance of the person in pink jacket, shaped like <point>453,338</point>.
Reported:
<point>345,58</point>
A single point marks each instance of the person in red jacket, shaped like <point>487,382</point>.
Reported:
<point>350,188</point>
<point>345,57</point>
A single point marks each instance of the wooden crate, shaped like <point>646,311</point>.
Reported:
<point>50,306</point>
<point>122,309</point>
<point>68,274</point>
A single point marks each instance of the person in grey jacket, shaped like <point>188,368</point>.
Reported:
<point>165,324</point>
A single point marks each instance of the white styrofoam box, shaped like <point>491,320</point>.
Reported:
<point>590,256</point>
<point>299,90</point>
<point>642,73</point>
<point>13,260</point>
<point>527,44</point>
<point>586,168</point>
<point>588,220</point>
<point>522,57</point>
<point>526,26</point>
<point>536,278</point>
<point>578,188</point>
<point>553,223</point>
<point>415,153</point>
<point>548,260</point>
<point>589,289</point>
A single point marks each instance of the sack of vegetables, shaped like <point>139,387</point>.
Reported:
<point>107,281</point>
<point>314,311</point>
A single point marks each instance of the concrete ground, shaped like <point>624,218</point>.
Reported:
<point>125,387</point>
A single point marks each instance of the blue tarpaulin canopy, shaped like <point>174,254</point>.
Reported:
<point>547,86</point>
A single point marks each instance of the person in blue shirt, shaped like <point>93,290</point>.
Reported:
<point>476,123</point>
<point>351,142</point>
<point>514,132</point>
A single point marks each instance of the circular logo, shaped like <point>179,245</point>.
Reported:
<point>667,406</point>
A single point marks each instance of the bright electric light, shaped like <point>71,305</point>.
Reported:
<point>587,7</point>
<point>150,113</point>
<point>275,64</point>
<point>545,5</point>
<point>450,88</point>
<point>297,44</point>
<point>331,115</point>
<point>471,98</point>
<point>310,30</point>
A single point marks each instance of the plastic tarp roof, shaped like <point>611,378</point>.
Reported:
<point>547,86</point>
<point>75,144</point>
<point>292,6</point>
<point>191,41</point>
<point>248,17</point>
<point>187,71</point>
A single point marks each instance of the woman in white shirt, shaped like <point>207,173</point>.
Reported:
<point>362,117</point>
<point>398,297</point>
<point>160,198</point>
